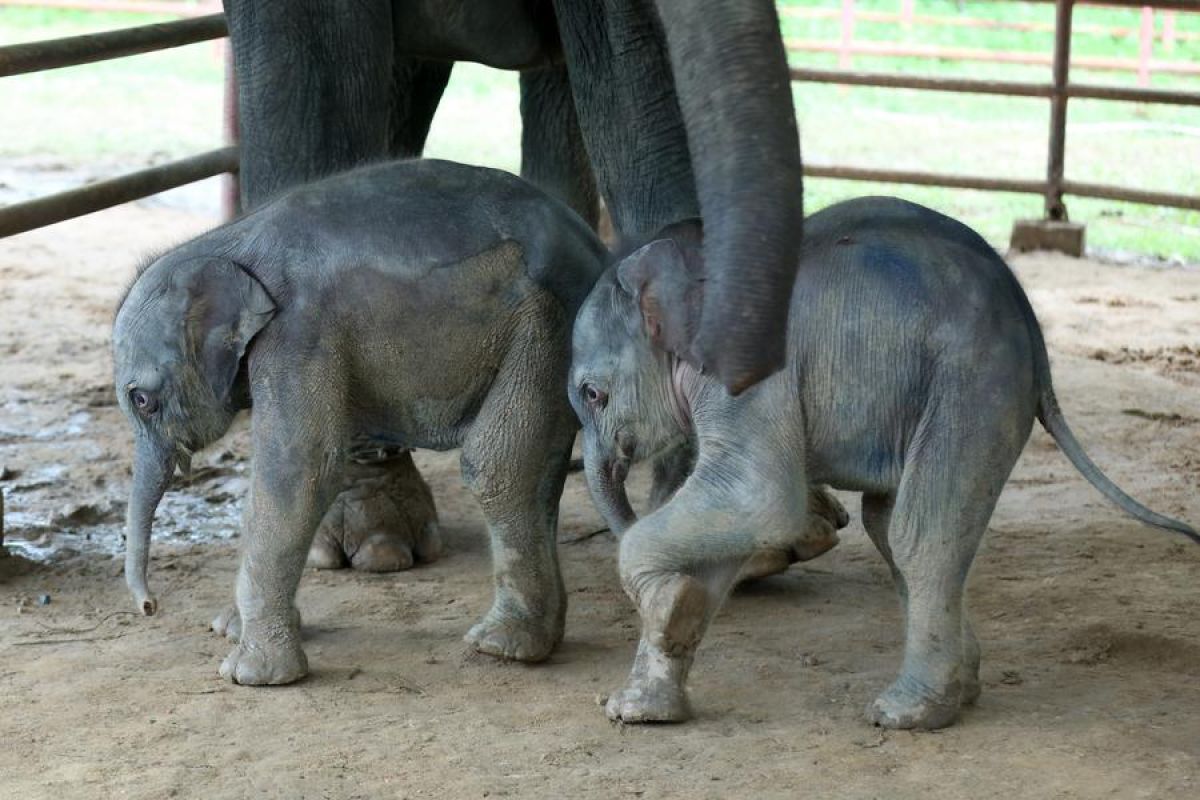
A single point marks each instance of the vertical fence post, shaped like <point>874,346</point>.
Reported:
<point>847,34</point>
<point>906,13</point>
<point>1145,46</point>
<point>1055,209</point>
<point>1168,33</point>
<point>231,190</point>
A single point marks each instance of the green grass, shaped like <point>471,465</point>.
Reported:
<point>167,105</point>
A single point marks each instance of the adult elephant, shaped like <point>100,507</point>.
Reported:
<point>682,107</point>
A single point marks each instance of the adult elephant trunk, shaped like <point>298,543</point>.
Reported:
<point>152,469</point>
<point>735,93</point>
<point>606,473</point>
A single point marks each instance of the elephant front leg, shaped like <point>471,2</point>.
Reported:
<point>293,482</point>
<point>678,564</point>
<point>674,612</point>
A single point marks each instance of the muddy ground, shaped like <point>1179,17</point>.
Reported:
<point>1090,623</point>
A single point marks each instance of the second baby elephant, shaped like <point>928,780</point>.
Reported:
<point>423,303</point>
<point>915,370</point>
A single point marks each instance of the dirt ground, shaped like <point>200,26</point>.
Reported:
<point>1089,624</point>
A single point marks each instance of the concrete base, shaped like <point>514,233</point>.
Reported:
<point>1044,234</point>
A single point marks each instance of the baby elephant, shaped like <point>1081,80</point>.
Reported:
<point>423,303</point>
<point>915,370</point>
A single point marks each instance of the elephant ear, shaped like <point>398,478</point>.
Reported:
<point>666,280</point>
<point>227,307</point>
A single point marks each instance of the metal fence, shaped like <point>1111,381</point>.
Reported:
<point>20,59</point>
<point>32,57</point>
<point>1059,90</point>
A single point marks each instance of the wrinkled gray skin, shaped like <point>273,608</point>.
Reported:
<point>915,371</point>
<point>378,303</point>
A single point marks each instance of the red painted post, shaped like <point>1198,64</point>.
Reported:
<point>847,34</point>
<point>906,13</point>
<point>1145,45</point>
<point>1168,33</point>
<point>231,201</point>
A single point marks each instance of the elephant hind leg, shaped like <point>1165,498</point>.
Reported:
<point>949,488</point>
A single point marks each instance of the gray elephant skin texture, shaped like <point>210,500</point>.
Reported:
<point>915,370</point>
<point>422,303</point>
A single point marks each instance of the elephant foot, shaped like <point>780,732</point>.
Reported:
<point>826,516</point>
<point>650,701</point>
<point>383,521</point>
<point>903,706</point>
<point>257,662</point>
<point>512,637</point>
<point>229,623</point>
<point>656,690</point>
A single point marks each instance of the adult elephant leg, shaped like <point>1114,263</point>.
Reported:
<point>385,519</point>
<point>624,93</point>
<point>553,155</point>
<point>314,89</point>
<point>418,86</point>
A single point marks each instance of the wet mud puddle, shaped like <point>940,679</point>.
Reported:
<point>65,476</point>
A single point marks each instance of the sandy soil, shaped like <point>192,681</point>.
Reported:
<point>1088,621</point>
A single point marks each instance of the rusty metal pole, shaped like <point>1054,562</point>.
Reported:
<point>231,188</point>
<point>1055,209</point>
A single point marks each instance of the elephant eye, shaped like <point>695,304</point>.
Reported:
<point>145,402</point>
<point>596,398</point>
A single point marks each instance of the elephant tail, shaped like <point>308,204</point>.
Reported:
<point>1052,419</point>
<point>1055,423</point>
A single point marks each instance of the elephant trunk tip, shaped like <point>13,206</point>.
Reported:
<point>146,603</point>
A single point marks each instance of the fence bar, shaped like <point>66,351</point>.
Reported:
<point>986,55</point>
<point>1132,195</point>
<point>1006,88</point>
<point>1055,210</point>
<point>170,9</point>
<point>21,217</point>
<point>1167,97</point>
<point>926,179</point>
<point>19,59</point>
<point>967,85</point>
<point>1176,5</point>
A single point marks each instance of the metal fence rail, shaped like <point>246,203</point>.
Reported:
<point>97,196</point>
<point>21,59</point>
